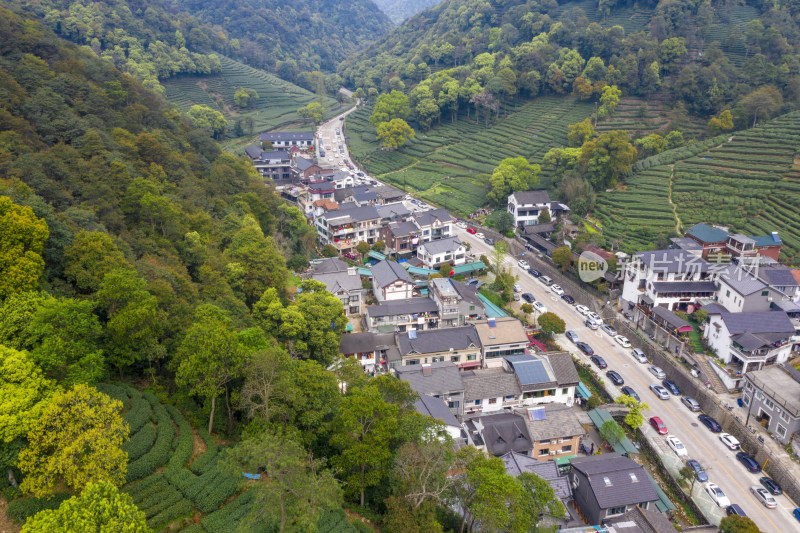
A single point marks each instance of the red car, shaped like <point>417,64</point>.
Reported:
<point>658,425</point>
<point>472,231</point>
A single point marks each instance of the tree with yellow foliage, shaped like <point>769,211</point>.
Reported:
<point>22,237</point>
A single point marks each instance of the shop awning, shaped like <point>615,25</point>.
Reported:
<point>376,255</point>
<point>466,268</point>
<point>419,271</point>
<point>583,390</point>
<point>364,272</point>
<point>624,446</point>
<point>492,311</point>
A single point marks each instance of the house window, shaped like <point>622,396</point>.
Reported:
<point>615,511</point>
<point>471,307</point>
<point>412,362</point>
<point>510,397</point>
<point>564,390</point>
<point>471,357</point>
<point>746,400</point>
<point>769,403</point>
<point>785,416</point>
<point>492,400</point>
<point>453,405</point>
<point>566,448</point>
<point>544,451</point>
<point>455,358</point>
<point>748,385</point>
<point>780,430</point>
<point>477,402</point>
<point>403,245</point>
<point>728,294</point>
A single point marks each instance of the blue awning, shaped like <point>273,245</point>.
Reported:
<point>468,267</point>
<point>492,311</point>
<point>364,272</point>
<point>419,271</point>
<point>583,390</point>
<point>376,255</point>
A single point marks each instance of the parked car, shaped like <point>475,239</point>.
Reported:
<point>671,387</point>
<point>796,514</point>
<point>697,468</point>
<point>690,403</point>
<point>567,298</point>
<point>461,224</point>
<point>557,289</point>
<point>656,371</point>
<point>533,272</point>
<point>658,425</point>
<point>771,485</point>
<point>591,324</point>
<point>730,441</point>
<point>748,462</point>
<point>735,509</point>
<point>539,307</point>
<point>639,355</point>
<point>630,392</point>
<point>599,361</point>
<point>475,283</point>
<point>615,378</point>
<point>472,231</point>
<point>713,490</point>
<point>762,495</point>
<point>571,335</point>
<point>546,280</point>
<point>516,296</point>
<point>585,348</point>
<point>623,341</point>
<point>582,309</point>
<point>677,446</point>
<point>608,329</point>
<point>517,287</point>
<point>489,241</point>
<point>528,297</point>
<point>480,235</point>
<point>594,316</point>
<point>523,264</point>
<point>660,391</point>
<point>710,423</point>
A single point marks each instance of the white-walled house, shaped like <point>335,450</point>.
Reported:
<point>449,250</point>
<point>433,224</point>
<point>390,281</point>
<point>287,139</point>
<point>527,207</point>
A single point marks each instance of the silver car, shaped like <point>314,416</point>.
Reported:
<point>571,335</point>
<point>657,372</point>
<point>660,391</point>
<point>690,403</point>
<point>639,355</point>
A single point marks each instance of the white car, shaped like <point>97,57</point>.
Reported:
<point>538,306</point>
<point>713,490</point>
<point>523,264</point>
<point>763,496</point>
<point>730,441</point>
<point>677,446</point>
<point>623,341</point>
<point>330,159</point>
<point>595,317</point>
<point>582,309</point>
<point>462,225</point>
<point>557,289</point>
<point>480,236</point>
<point>517,287</point>
<point>657,372</point>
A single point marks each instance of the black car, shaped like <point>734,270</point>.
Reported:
<point>615,378</point>
<point>748,462</point>
<point>528,297</point>
<point>534,273</point>
<point>630,392</point>
<point>735,509</point>
<point>489,241</point>
<point>567,298</point>
<point>585,348</point>
<point>599,361</point>
<point>710,423</point>
<point>771,485</point>
<point>670,386</point>
<point>697,468</point>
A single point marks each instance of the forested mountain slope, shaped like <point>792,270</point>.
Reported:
<point>400,10</point>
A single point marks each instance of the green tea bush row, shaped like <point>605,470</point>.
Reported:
<point>179,509</point>
<point>113,391</point>
<point>183,451</point>
<point>223,486</point>
<point>227,518</point>
<point>24,508</point>
<point>139,414</point>
<point>159,453</point>
<point>202,463</point>
<point>140,442</point>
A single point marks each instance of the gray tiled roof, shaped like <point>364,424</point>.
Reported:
<point>534,229</point>
<point>564,368</point>
<point>365,197</point>
<point>410,306</point>
<point>385,273</point>
<point>684,286</point>
<point>352,214</point>
<point>288,136</point>
<point>706,233</point>
<point>685,243</point>
<point>469,293</point>
<point>353,343</point>
<point>559,422</point>
<point>253,152</point>
<point>645,521</point>
<point>435,407</point>
<point>489,383</point>
<point>275,154</point>
<point>669,317</point>
<point>532,197</point>
<point>402,229</point>
<point>778,276</point>
<point>749,341</point>
<point>622,489</point>
<point>517,463</point>
<point>504,433</point>
<point>444,379</point>
<point>439,340</point>
<point>336,281</point>
<point>395,210</point>
<point>330,265</point>
<point>302,163</point>
<point>758,322</point>
<point>742,282</point>
<point>426,218</point>
<point>321,186</point>
<point>674,261</point>
<point>387,191</point>
<point>441,246</point>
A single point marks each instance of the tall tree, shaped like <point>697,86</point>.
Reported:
<point>89,258</point>
<point>634,418</point>
<point>581,132</point>
<point>388,107</point>
<point>363,431</point>
<point>208,119</point>
<point>422,469</point>
<point>256,263</point>
<point>209,358</point>
<point>551,324</point>
<point>395,133</point>
<point>762,103</point>
<point>291,483</point>
<point>100,507</point>
<point>314,112</point>
<point>77,441</point>
<point>539,501</point>
<point>511,175</point>
<point>268,386</point>
<point>562,256</point>
<point>22,238</point>
<point>607,157</point>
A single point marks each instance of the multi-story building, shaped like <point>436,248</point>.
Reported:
<point>345,227</point>
<point>457,345</point>
<point>527,207</point>
<point>402,315</point>
<point>446,251</point>
<point>342,281</point>
<point>440,380</point>
<point>457,302</point>
<point>500,337</point>
<point>401,238</point>
<point>554,429</point>
<point>772,397</point>
<point>390,281</point>
<point>434,224</point>
<point>368,348</point>
<point>275,165</point>
<point>718,242</point>
<point>285,139</point>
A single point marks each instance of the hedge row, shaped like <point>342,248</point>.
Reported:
<point>206,460</point>
<point>183,450</point>
<point>173,512</point>
<point>114,391</point>
<point>140,442</point>
<point>24,508</point>
<point>159,453</point>
<point>139,414</point>
<point>221,487</point>
<point>229,517</point>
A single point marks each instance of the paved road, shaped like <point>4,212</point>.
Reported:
<point>719,462</point>
<point>330,140</point>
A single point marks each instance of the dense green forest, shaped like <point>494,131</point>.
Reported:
<point>135,255</point>
<point>400,10</point>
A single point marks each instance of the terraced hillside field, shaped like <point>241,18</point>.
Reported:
<point>277,103</point>
<point>749,181</point>
<point>448,165</point>
<point>179,483</point>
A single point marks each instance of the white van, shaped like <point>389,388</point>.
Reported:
<point>546,280</point>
